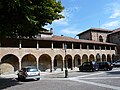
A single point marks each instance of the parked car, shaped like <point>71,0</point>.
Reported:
<point>116,63</point>
<point>105,65</point>
<point>29,72</point>
<point>89,66</point>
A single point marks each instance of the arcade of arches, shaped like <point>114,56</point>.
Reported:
<point>11,63</point>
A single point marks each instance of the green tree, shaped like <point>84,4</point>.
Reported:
<point>19,18</point>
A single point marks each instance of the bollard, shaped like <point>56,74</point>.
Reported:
<point>66,73</point>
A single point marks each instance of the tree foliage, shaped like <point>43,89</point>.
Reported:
<point>20,18</point>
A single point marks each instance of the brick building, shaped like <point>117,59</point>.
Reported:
<point>114,37</point>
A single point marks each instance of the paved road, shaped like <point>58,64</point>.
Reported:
<point>101,80</point>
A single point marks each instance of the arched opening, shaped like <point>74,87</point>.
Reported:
<point>10,64</point>
<point>113,58</point>
<point>58,62</point>
<point>77,61</point>
<point>68,61</point>
<point>103,57</point>
<point>98,57</point>
<point>84,58</point>
<point>28,60</point>
<point>109,58</point>
<point>100,38</point>
<point>91,57</point>
<point>45,63</point>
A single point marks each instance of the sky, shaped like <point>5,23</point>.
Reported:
<point>80,15</point>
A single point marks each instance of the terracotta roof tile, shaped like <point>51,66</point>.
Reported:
<point>115,31</point>
<point>96,29</point>
<point>70,39</point>
<point>100,29</point>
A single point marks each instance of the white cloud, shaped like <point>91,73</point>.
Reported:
<point>112,24</point>
<point>113,9</point>
<point>63,22</point>
<point>67,13</point>
<point>115,14</point>
<point>70,30</point>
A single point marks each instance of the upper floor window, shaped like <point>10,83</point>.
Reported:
<point>100,38</point>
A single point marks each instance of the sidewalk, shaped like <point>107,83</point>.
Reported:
<point>9,76</point>
<point>42,74</point>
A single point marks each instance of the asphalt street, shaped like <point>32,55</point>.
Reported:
<point>101,80</point>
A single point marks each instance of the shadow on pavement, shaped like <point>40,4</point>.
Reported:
<point>114,72</point>
<point>8,82</point>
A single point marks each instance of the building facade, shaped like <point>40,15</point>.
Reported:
<point>114,37</point>
<point>95,34</point>
<point>48,54</point>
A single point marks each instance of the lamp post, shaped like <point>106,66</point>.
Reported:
<point>66,71</point>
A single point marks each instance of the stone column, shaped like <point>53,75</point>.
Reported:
<point>64,63</point>
<point>52,66</point>
<point>87,46</point>
<point>115,48</point>
<point>63,45</point>
<point>80,46</point>
<point>94,47</point>
<point>72,46</point>
<point>37,63</point>
<point>20,65</point>
<point>73,63</point>
<point>110,48</point>
<point>81,62</point>
<point>37,45</point>
<point>0,44</point>
<point>72,66</point>
<point>20,45</point>
<point>52,45</point>
<point>100,47</point>
<point>105,48</point>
